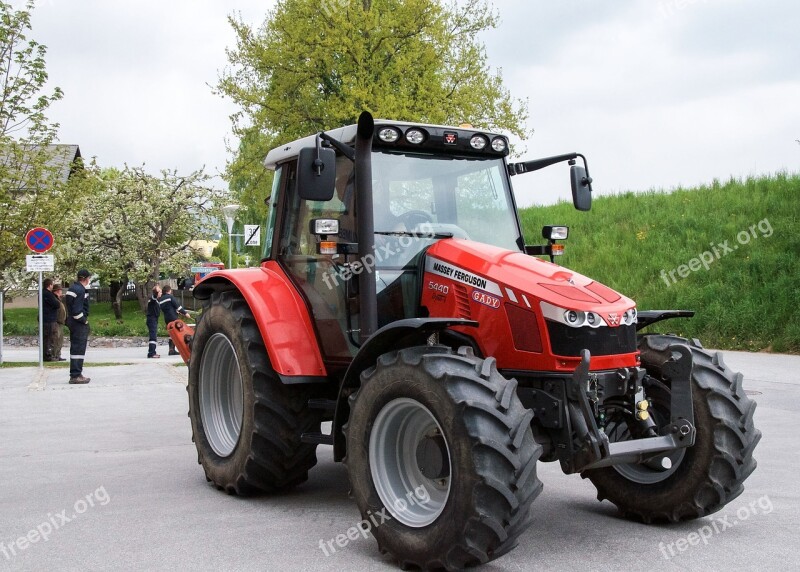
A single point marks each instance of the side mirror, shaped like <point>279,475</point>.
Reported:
<point>581,188</point>
<point>316,173</point>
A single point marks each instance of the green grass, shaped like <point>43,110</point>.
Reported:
<point>24,321</point>
<point>748,299</point>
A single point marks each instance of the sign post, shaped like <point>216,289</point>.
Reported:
<point>39,240</point>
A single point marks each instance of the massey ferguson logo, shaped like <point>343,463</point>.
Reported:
<point>613,319</point>
<point>486,299</point>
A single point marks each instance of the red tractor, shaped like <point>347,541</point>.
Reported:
<point>398,300</point>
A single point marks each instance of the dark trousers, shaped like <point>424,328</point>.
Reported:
<point>152,329</point>
<point>50,334</point>
<point>78,338</point>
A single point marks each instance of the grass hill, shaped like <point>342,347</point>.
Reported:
<point>730,251</point>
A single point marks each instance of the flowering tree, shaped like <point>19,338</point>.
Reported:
<point>139,225</point>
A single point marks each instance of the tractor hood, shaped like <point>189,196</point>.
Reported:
<point>523,280</point>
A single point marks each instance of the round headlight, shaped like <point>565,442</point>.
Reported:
<point>574,318</point>
<point>415,136</point>
<point>478,142</point>
<point>591,318</point>
<point>499,144</point>
<point>629,317</point>
<point>389,134</point>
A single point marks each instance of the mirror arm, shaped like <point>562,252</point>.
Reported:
<point>345,150</point>
<point>536,164</point>
<point>318,164</point>
<point>585,166</point>
<point>588,179</point>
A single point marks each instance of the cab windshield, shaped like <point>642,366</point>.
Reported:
<point>467,198</point>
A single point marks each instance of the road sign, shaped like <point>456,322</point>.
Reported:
<point>39,240</point>
<point>40,262</point>
<point>202,269</point>
<point>252,235</point>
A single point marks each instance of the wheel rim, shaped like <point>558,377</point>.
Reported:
<point>221,395</point>
<point>409,460</point>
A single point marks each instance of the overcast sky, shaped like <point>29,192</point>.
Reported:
<point>656,93</point>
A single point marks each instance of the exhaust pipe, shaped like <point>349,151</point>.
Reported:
<point>368,298</point>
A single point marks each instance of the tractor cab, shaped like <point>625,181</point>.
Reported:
<point>427,183</point>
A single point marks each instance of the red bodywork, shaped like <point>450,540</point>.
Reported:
<point>281,315</point>
<point>496,287</point>
<point>463,279</point>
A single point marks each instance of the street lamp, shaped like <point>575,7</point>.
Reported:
<point>229,211</point>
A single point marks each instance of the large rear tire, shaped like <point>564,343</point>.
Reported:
<point>441,458</point>
<point>246,424</point>
<point>705,477</point>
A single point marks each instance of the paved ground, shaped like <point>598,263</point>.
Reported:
<point>116,459</point>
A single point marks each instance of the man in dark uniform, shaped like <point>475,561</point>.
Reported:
<point>171,309</point>
<point>153,312</point>
<point>77,302</point>
<point>50,306</point>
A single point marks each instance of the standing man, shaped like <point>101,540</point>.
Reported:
<point>153,312</point>
<point>50,306</point>
<point>78,324</point>
<point>171,309</point>
<point>61,319</point>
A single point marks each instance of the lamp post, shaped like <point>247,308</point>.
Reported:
<point>229,211</point>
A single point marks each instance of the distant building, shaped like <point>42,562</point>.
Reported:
<point>60,162</point>
<point>204,248</point>
<point>64,159</point>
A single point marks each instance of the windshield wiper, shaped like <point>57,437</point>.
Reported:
<point>415,234</point>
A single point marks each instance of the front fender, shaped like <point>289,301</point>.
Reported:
<point>281,315</point>
<point>394,336</point>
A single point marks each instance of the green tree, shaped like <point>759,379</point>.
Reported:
<point>30,192</point>
<point>140,226</point>
<point>312,66</point>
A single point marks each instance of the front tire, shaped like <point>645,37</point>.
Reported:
<point>246,424</point>
<point>440,445</point>
<point>704,477</point>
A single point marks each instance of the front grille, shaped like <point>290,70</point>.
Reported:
<point>567,341</point>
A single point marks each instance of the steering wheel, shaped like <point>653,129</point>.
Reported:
<point>413,218</point>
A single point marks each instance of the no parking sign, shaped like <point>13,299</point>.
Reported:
<point>39,240</point>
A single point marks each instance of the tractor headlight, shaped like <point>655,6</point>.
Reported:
<point>478,142</point>
<point>415,136</point>
<point>572,318</point>
<point>629,317</point>
<point>389,134</point>
<point>499,144</point>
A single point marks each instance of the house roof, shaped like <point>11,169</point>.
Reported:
<point>62,159</point>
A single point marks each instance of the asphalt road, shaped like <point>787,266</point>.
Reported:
<point>105,476</point>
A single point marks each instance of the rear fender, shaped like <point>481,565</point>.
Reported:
<point>394,336</point>
<point>281,315</point>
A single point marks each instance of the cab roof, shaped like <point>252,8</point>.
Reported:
<point>442,138</point>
